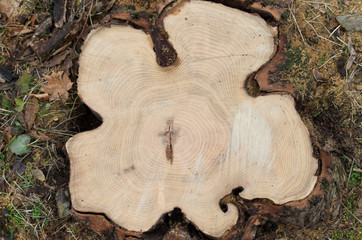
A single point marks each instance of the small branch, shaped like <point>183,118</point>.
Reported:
<point>351,213</point>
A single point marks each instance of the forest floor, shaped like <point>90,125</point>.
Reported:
<point>40,109</point>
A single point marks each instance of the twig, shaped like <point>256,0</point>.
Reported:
<point>67,120</point>
<point>342,41</point>
<point>315,31</point>
<point>85,23</point>
<point>351,213</point>
<point>350,172</point>
<point>296,24</point>
<point>334,56</point>
<point>330,35</point>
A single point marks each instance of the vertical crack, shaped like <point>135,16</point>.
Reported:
<point>169,136</point>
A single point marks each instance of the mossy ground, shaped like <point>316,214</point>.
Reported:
<point>330,104</point>
<point>330,107</point>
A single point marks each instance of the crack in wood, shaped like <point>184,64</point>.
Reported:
<point>169,134</point>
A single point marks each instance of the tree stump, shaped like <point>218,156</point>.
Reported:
<point>180,129</point>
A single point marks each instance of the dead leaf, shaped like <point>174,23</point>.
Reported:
<point>38,174</point>
<point>57,87</point>
<point>32,20</point>
<point>68,63</point>
<point>30,110</point>
<point>56,60</point>
<point>7,133</point>
<point>40,135</point>
<point>23,82</point>
<point>353,54</point>
<point>19,167</point>
<point>318,76</point>
<point>21,118</point>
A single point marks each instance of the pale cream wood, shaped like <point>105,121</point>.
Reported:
<point>221,137</point>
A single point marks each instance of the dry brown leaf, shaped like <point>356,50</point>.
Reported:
<point>38,174</point>
<point>7,133</point>
<point>56,60</point>
<point>318,76</point>
<point>67,64</point>
<point>30,110</point>
<point>58,86</point>
<point>40,135</point>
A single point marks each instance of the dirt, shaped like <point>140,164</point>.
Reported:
<point>329,103</point>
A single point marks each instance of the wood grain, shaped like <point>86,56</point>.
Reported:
<point>185,135</point>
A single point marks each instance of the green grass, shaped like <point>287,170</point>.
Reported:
<point>355,177</point>
<point>346,235</point>
<point>28,219</point>
<point>16,220</point>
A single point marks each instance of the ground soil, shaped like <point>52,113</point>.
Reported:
<point>329,102</point>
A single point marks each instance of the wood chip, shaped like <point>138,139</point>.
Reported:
<point>352,54</point>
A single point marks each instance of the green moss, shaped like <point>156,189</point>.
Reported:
<point>355,177</point>
<point>295,69</point>
<point>347,234</point>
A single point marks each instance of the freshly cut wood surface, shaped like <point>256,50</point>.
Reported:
<point>186,135</point>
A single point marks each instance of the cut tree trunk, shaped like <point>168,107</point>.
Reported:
<point>180,129</point>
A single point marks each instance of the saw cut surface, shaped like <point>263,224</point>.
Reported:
<point>186,135</point>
